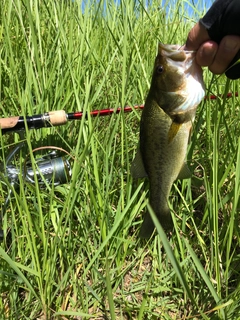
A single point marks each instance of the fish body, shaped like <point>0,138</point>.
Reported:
<point>176,90</point>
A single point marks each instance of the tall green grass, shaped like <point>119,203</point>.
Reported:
<point>73,252</point>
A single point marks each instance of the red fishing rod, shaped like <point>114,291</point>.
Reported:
<point>60,117</point>
<point>55,118</point>
<point>213,97</point>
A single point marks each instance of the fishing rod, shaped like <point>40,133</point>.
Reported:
<point>60,117</point>
<point>214,97</point>
<point>54,118</point>
<point>51,168</point>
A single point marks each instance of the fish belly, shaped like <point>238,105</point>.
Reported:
<point>163,159</point>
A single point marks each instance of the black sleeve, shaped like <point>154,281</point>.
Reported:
<point>223,18</point>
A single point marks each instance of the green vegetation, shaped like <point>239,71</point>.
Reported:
<point>73,252</point>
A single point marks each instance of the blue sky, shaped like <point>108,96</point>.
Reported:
<point>200,5</point>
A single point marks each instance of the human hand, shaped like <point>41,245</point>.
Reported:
<point>217,57</point>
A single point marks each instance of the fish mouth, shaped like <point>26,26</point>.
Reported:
<point>174,47</point>
<point>192,89</point>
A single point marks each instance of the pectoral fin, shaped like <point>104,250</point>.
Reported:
<point>185,172</point>
<point>173,131</point>
<point>137,167</point>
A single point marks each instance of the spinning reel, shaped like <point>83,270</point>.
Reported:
<point>50,169</point>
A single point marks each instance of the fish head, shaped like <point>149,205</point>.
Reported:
<point>177,82</point>
<point>168,74</point>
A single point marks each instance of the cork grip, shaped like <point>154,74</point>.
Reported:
<point>57,117</point>
<point>6,123</point>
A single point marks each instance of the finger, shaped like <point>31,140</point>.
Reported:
<point>196,37</point>
<point>228,48</point>
<point>206,53</point>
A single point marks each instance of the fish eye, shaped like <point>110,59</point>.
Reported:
<point>160,69</point>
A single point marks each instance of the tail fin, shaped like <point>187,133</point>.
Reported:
<point>148,226</point>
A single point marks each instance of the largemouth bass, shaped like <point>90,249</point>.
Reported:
<point>169,111</point>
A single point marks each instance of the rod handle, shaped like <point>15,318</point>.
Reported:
<point>7,123</point>
<point>51,118</point>
<point>58,117</point>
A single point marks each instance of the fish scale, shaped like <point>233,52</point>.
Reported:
<point>164,132</point>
